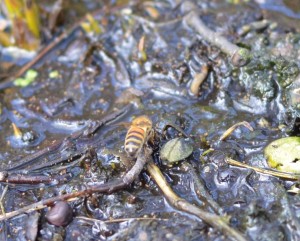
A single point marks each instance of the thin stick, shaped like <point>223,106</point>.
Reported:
<point>9,81</point>
<point>118,220</point>
<point>181,204</point>
<point>29,163</point>
<point>108,188</point>
<point>155,25</point>
<point>176,127</point>
<point>25,179</point>
<point>232,128</point>
<point>285,175</point>
<point>1,199</point>
<point>52,45</point>
<point>198,80</point>
<point>201,192</point>
<point>257,25</point>
<point>239,56</point>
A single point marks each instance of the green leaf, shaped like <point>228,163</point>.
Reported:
<point>176,150</point>
<point>28,79</point>
<point>284,154</point>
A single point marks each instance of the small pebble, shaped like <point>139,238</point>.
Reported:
<point>61,214</point>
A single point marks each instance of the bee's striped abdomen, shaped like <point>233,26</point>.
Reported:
<point>134,140</point>
<point>137,135</point>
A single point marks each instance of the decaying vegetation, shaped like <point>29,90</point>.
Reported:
<point>218,85</point>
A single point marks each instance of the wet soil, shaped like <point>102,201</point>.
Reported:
<point>99,75</point>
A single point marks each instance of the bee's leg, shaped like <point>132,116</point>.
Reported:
<point>151,137</point>
<point>176,127</point>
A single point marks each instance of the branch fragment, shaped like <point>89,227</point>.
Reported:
<point>181,204</point>
<point>108,188</point>
<point>239,56</point>
<point>284,175</point>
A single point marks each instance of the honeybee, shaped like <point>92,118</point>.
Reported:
<point>138,134</point>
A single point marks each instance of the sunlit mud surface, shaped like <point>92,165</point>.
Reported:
<point>101,74</point>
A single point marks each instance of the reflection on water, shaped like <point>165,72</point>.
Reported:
<point>286,7</point>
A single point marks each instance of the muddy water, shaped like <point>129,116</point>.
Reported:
<point>102,74</point>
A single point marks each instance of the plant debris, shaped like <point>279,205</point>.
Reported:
<point>201,71</point>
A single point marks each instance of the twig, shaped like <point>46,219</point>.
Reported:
<point>285,175</point>
<point>108,188</point>
<point>9,81</point>
<point>176,127</point>
<point>18,178</point>
<point>201,192</point>
<point>118,220</point>
<point>25,179</point>
<point>181,204</point>
<point>55,153</point>
<point>1,199</point>
<point>257,25</point>
<point>232,128</point>
<point>155,25</point>
<point>198,80</point>
<point>50,47</point>
<point>239,56</point>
